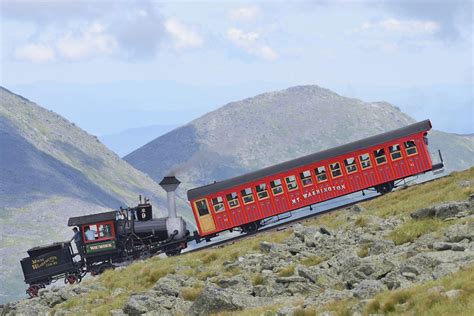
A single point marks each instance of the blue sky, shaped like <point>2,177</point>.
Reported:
<point>139,63</point>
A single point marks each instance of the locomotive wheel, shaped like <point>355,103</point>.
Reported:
<point>251,228</point>
<point>385,188</point>
<point>71,279</point>
<point>173,252</point>
<point>33,290</point>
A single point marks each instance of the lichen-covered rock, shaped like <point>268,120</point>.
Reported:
<point>139,304</point>
<point>368,288</point>
<point>459,232</point>
<point>214,299</point>
<point>442,211</point>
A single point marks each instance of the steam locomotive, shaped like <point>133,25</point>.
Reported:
<point>245,202</point>
<point>105,239</point>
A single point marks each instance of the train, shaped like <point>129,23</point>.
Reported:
<point>246,203</point>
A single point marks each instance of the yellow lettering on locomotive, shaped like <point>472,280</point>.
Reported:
<point>44,262</point>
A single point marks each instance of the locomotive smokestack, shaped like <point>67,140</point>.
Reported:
<point>170,184</point>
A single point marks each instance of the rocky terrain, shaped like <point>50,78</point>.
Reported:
<point>274,127</point>
<point>50,170</point>
<point>409,252</point>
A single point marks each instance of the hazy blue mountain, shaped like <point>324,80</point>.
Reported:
<point>51,170</point>
<point>274,127</point>
<point>126,141</point>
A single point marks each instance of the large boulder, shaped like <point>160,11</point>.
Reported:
<point>214,299</point>
<point>459,232</point>
<point>368,288</point>
<point>139,304</point>
<point>443,211</point>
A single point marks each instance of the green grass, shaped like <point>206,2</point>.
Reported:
<point>411,230</point>
<point>312,261</point>
<point>191,293</point>
<point>287,271</point>
<point>257,279</point>
<point>363,251</point>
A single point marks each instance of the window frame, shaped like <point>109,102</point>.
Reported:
<point>384,155</point>
<point>406,148</point>
<point>303,178</point>
<point>288,183</point>
<point>221,203</point>
<point>399,151</point>
<point>280,186</point>
<point>354,164</point>
<point>246,195</point>
<point>197,208</point>
<point>264,190</point>
<point>234,199</point>
<point>361,161</point>
<point>99,239</point>
<point>316,172</point>
<point>332,170</point>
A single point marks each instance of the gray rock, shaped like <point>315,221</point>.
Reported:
<point>409,275</point>
<point>368,288</point>
<point>214,300</point>
<point>169,285</point>
<point>117,312</point>
<point>453,293</point>
<point>381,246</point>
<point>436,290</point>
<point>306,273</point>
<point>324,231</point>
<point>265,246</point>
<point>285,311</point>
<point>138,304</point>
<point>441,211</point>
<point>458,232</point>
<point>290,279</point>
<point>440,246</point>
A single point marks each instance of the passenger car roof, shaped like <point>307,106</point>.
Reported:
<point>93,218</point>
<point>310,159</point>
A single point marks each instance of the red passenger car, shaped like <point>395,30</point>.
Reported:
<point>374,162</point>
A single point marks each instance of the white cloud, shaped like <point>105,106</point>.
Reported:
<point>247,13</point>
<point>402,27</point>
<point>250,42</point>
<point>92,42</point>
<point>182,35</point>
<point>37,53</point>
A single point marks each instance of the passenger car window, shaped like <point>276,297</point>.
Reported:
<point>305,177</point>
<point>380,157</point>
<point>291,183</point>
<point>395,152</point>
<point>321,175</point>
<point>218,204</point>
<point>277,189</point>
<point>262,192</point>
<point>247,195</point>
<point>202,208</point>
<point>365,161</point>
<point>350,164</point>
<point>232,200</point>
<point>336,170</point>
<point>410,147</point>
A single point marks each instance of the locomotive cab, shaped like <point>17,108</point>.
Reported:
<point>98,234</point>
